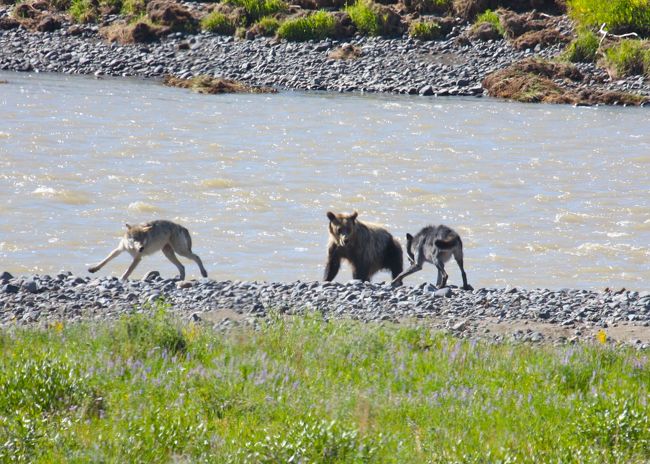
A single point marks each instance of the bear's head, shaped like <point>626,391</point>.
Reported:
<point>342,227</point>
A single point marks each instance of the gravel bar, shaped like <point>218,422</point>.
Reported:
<point>401,66</point>
<point>44,299</point>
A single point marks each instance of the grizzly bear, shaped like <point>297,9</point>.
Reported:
<point>368,248</point>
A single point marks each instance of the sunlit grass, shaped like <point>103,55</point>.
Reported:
<point>149,388</point>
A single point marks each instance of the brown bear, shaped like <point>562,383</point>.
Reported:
<point>369,248</point>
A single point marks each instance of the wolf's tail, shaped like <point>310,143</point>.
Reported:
<point>449,243</point>
<point>186,236</point>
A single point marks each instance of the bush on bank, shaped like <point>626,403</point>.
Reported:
<point>583,48</point>
<point>628,58</point>
<point>317,26</point>
<point>619,16</point>
<point>425,30</point>
<point>218,23</point>
<point>257,9</point>
<point>149,388</point>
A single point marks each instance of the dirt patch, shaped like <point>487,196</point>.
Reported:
<point>172,15</point>
<point>214,85</point>
<point>468,9</point>
<point>7,24</point>
<point>345,52</point>
<point>140,32</point>
<point>533,81</point>
<point>543,38</point>
<point>34,16</point>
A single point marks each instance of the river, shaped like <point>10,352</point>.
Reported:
<point>543,196</point>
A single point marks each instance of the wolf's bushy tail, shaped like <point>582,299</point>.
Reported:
<point>449,243</point>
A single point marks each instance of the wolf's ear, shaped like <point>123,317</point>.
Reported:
<point>331,216</point>
<point>409,237</point>
<point>128,226</point>
<point>354,216</point>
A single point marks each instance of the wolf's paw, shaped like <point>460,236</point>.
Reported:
<point>93,269</point>
<point>468,287</point>
<point>204,273</point>
<point>396,283</point>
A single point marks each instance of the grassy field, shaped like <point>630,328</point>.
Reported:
<point>149,388</point>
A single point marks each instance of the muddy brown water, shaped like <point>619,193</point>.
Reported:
<point>543,196</point>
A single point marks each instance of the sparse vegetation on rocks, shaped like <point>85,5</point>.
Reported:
<point>618,16</point>
<point>214,85</point>
<point>533,81</point>
<point>425,30</point>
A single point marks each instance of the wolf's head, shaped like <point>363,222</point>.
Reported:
<point>138,236</point>
<point>409,248</point>
<point>342,227</point>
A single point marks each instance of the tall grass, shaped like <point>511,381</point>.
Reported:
<point>316,26</point>
<point>628,58</point>
<point>218,23</point>
<point>425,30</point>
<point>257,9</point>
<point>583,48</point>
<point>365,17</point>
<point>491,17</point>
<point>618,15</point>
<point>150,389</point>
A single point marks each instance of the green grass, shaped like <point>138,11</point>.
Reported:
<point>618,15</point>
<point>256,9</point>
<point>268,25</point>
<point>365,17</point>
<point>491,17</point>
<point>151,389</point>
<point>316,26</point>
<point>218,23</point>
<point>628,57</point>
<point>425,30</point>
<point>583,48</point>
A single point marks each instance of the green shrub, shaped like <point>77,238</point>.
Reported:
<point>133,7</point>
<point>158,330</point>
<point>82,11</point>
<point>628,58</point>
<point>490,17</point>
<point>618,15</point>
<point>316,26</point>
<point>256,9</point>
<point>365,17</point>
<point>425,30</point>
<point>267,26</point>
<point>583,48</point>
<point>218,23</point>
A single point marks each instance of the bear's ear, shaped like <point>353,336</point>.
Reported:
<point>409,237</point>
<point>354,216</point>
<point>331,216</point>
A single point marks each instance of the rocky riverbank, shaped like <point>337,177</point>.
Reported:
<point>453,66</point>
<point>532,315</point>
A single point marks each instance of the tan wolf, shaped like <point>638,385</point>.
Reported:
<point>368,247</point>
<point>146,239</point>
<point>434,244</point>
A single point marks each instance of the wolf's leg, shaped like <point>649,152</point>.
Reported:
<point>168,251</point>
<point>442,275</point>
<point>136,261</point>
<point>193,257</point>
<point>112,255</point>
<point>458,256</point>
<point>397,281</point>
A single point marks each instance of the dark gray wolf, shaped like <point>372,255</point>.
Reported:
<point>369,248</point>
<point>436,245</point>
<point>145,239</point>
